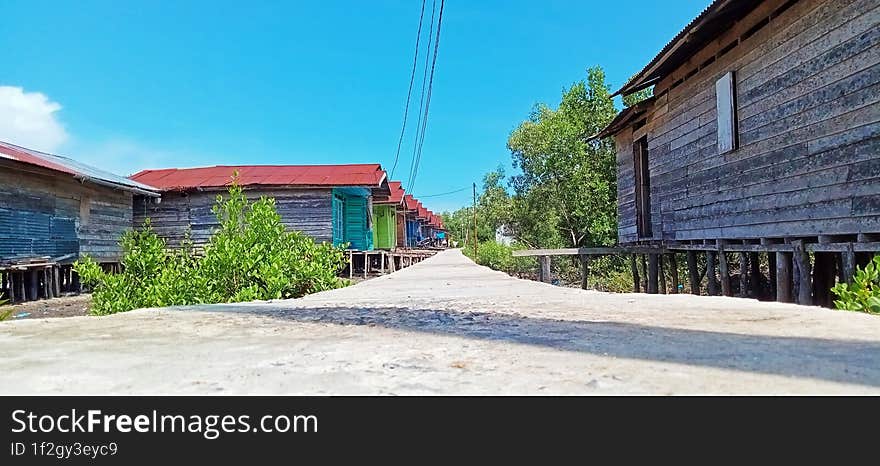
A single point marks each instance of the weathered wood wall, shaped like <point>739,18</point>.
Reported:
<point>46,213</point>
<point>808,112</point>
<point>305,210</point>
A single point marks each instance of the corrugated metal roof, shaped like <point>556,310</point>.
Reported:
<point>71,167</point>
<point>397,194</point>
<point>184,179</point>
<point>709,24</point>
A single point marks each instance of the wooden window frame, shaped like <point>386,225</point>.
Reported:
<point>642,173</point>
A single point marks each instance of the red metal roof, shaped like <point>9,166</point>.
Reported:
<point>397,194</point>
<point>410,202</point>
<point>183,179</point>
<point>71,167</point>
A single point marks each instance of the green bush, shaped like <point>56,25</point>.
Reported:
<point>5,313</point>
<point>498,256</point>
<point>863,294</point>
<point>251,256</point>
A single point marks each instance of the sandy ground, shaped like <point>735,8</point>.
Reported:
<point>65,306</point>
<point>447,326</point>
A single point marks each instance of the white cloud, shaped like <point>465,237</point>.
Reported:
<point>30,119</point>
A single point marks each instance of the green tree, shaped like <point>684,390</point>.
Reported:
<point>566,181</point>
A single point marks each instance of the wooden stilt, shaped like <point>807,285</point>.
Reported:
<point>585,272</point>
<point>22,287</point>
<point>848,264</point>
<point>804,279</point>
<point>545,269</point>
<point>783,277</point>
<point>723,270</point>
<point>56,280</point>
<point>644,261</point>
<point>673,269</point>
<point>711,257</point>
<point>755,278</point>
<point>366,263</point>
<point>350,265</point>
<point>635,273</point>
<point>693,274</point>
<point>382,263</point>
<point>771,265</point>
<point>653,273</point>
<point>743,275</point>
<point>11,289</point>
<point>661,273</point>
<point>33,285</point>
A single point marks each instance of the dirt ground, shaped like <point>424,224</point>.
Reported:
<point>448,326</point>
<point>65,306</point>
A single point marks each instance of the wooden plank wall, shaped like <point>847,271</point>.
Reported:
<point>46,213</point>
<point>305,210</point>
<point>808,112</point>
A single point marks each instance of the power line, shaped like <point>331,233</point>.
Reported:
<point>430,92</point>
<point>422,96</point>
<point>443,194</point>
<point>412,78</point>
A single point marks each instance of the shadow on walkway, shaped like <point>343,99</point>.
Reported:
<point>835,360</point>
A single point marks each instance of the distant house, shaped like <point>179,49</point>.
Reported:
<point>389,215</point>
<point>413,226</point>
<point>762,135</point>
<point>53,206</point>
<point>330,203</point>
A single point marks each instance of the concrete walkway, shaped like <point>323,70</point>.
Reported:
<point>448,326</point>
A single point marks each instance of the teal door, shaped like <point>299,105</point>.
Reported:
<point>338,220</point>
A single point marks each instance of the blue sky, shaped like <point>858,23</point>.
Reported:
<point>133,85</point>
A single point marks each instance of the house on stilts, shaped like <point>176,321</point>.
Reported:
<point>760,148</point>
<point>54,210</point>
<point>330,203</point>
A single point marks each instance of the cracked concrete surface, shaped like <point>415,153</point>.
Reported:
<point>448,326</point>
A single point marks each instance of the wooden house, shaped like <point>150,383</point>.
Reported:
<point>54,210</point>
<point>413,226</point>
<point>389,214</point>
<point>330,203</point>
<point>762,136</point>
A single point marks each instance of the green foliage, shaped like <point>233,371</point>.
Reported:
<point>566,192</point>
<point>863,294</point>
<point>5,313</point>
<point>498,256</point>
<point>631,99</point>
<point>251,256</point>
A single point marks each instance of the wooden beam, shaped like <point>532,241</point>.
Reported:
<point>848,264</point>
<point>673,268</point>
<point>711,258</point>
<point>783,277</point>
<point>653,269</point>
<point>643,259</point>
<point>723,269</point>
<point>634,268</point>
<point>585,271</point>
<point>605,251</point>
<point>743,275</point>
<point>693,273</point>
<point>803,277</point>
<point>661,273</point>
<point>545,269</point>
<point>755,276</point>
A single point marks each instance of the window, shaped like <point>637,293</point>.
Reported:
<point>643,187</point>
<point>725,96</point>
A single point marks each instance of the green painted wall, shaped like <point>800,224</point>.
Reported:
<point>385,227</point>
